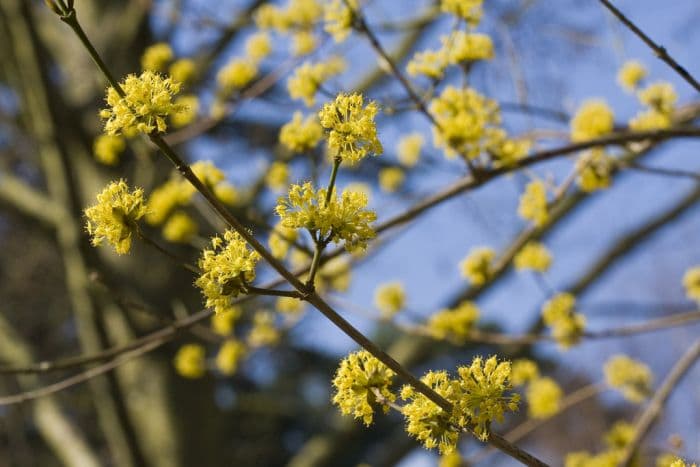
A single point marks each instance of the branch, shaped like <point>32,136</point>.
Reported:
<point>659,50</point>
<point>29,201</point>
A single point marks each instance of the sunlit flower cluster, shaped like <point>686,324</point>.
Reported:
<point>533,203</point>
<point>190,361</point>
<point>236,75</point>
<point>114,218</point>
<point>229,356</point>
<point>352,132</point>
<point>634,379</point>
<point>156,57</point>
<point>390,298</point>
<point>343,218</point>
<point>301,135</point>
<point>107,149</point>
<point>226,269</point>
<point>660,102</point>
<point>616,441</point>
<point>566,324</point>
<point>454,323</point>
<point>391,179</point>
<point>147,102</point>
<point>358,377</point>
<point>264,332</point>
<point>477,267</point>
<point>409,149</point>
<point>533,256</point>
<point>339,16</point>
<point>468,10</point>
<point>594,168</point>
<point>593,119</point>
<point>543,396</point>
<point>691,282</point>
<point>297,18</point>
<point>309,77</point>
<point>631,74</point>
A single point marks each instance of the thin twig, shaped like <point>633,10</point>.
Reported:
<point>659,50</point>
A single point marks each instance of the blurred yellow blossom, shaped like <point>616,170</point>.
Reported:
<point>156,57</point>
<point>534,256</point>
<point>477,266</point>
<point>190,361</point>
<point>390,298</point>
<point>592,120</point>
<point>107,149</point>
<point>634,379</point>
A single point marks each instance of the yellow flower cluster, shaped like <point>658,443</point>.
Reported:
<point>533,203</point>
<point>258,46</point>
<point>339,16</point>
<point>263,331</point>
<point>457,48</point>
<point>298,17</point>
<point>681,463</point>
<point>634,379</point>
<point>465,121</point>
<point>147,102</point>
<point>478,398</point>
<point>592,120</point>
<point>477,267</point>
<point>504,151</point>
<point>229,356</point>
<point>309,77</point>
<point>352,133</point>
<point>430,63</point>
<point>107,149</point>
<point>344,218</point>
<point>594,168</point>
<point>190,361</point>
<point>391,179</point>
<point>226,268</point>
<point>543,397</point>
<point>454,323</point>
<point>468,10</point>
<point>223,322</point>
<point>280,240</point>
<point>409,149</point>
<point>156,57</point>
<point>534,256</point>
<point>389,299</point>
<point>630,75</point>
<point>660,101</point>
<point>289,306</point>
<point>616,440</point>
<point>355,381</point>
<point>180,228</point>
<point>301,135</point>
<point>236,75</point>
<point>189,107</point>
<point>559,314</point>
<point>691,282</point>
<point>183,70</point>
<point>114,218</point>
<point>523,371</point>
<point>277,176</point>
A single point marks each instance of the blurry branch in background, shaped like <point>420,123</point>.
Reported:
<point>647,418</point>
<point>659,50</point>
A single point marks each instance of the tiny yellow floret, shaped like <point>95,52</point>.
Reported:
<point>190,361</point>
<point>477,266</point>
<point>593,119</point>
<point>390,298</point>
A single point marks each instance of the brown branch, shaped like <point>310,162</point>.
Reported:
<point>659,50</point>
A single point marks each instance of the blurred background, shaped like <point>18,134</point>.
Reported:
<point>622,251</point>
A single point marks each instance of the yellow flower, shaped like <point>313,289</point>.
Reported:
<point>207,173</point>
<point>303,43</point>
<point>631,73</point>
<point>224,321</point>
<point>263,331</point>
<point>483,400</point>
<point>304,14</point>
<point>162,202</point>
<point>108,148</point>
<point>344,218</point>
<point>452,459</point>
<point>409,148</point>
<point>156,57</point>
<point>504,151</point>
<point>389,299</point>
<point>289,306</point>
<point>681,463</point>
<point>567,325</point>
<point>280,240</point>
<point>523,371</point>
<point>226,268</point>
<point>114,218</point>
<point>391,179</point>
<point>543,397</point>
<point>659,96</point>
<point>464,118</point>
<point>190,106</point>
<point>533,203</point>
<point>650,120</point>
<point>277,176</point>
<point>477,266</point>
<point>691,282</point>
<point>308,77</point>
<point>180,228</point>
<point>236,75</point>
<point>464,47</point>
<point>147,102</point>
<point>592,120</point>
<point>468,10</point>
<point>634,379</point>
<point>269,16</point>
<point>534,256</point>
<point>226,193</point>
<point>352,131</point>
<point>594,168</point>
<point>339,18</point>
<point>190,361</point>
<point>358,375</point>
<point>299,135</point>
<point>229,356</point>
<point>456,323</point>
<point>258,46</point>
<point>183,70</point>
<point>430,63</point>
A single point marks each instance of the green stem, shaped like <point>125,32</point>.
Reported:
<point>331,182</point>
